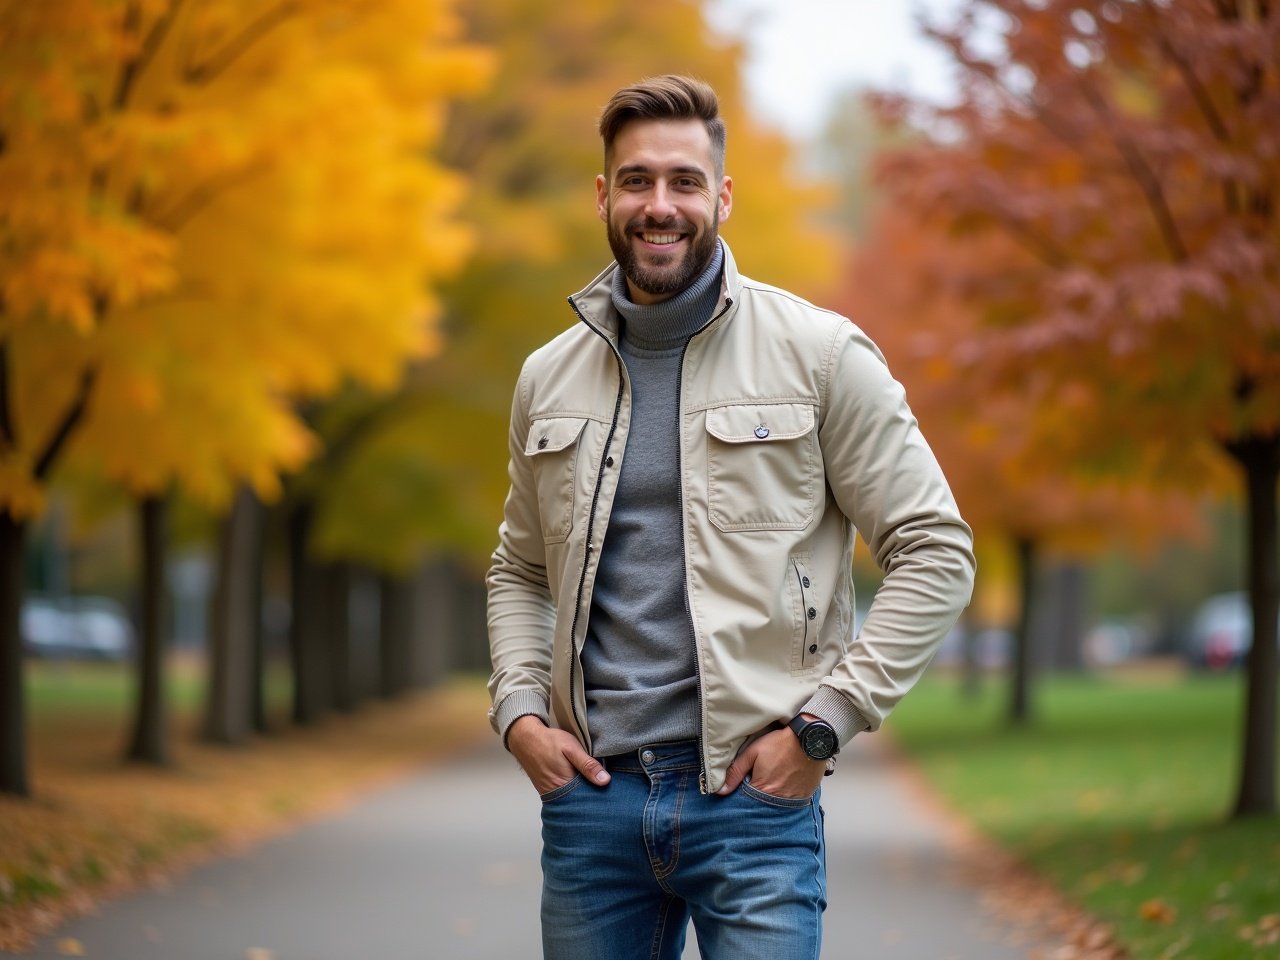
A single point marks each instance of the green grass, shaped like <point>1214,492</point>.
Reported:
<point>57,689</point>
<point>1119,793</point>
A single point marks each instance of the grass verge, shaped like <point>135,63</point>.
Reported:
<point>1118,795</point>
<point>96,827</point>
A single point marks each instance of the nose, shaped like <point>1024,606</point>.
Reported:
<point>660,206</point>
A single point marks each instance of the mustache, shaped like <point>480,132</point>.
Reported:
<point>648,224</point>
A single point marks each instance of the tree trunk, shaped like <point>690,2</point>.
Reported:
<point>970,662</point>
<point>233,620</point>
<point>1020,709</point>
<point>336,621</point>
<point>436,623</point>
<point>13,733</point>
<point>1062,623</point>
<point>149,743</point>
<point>258,632</point>
<point>311,688</point>
<point>1260,459</point>
<point>395,634</point>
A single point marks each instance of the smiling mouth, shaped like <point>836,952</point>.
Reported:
<point>661,239</point>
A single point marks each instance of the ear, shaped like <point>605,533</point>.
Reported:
<point>602,198</point>
<point>726,198</point>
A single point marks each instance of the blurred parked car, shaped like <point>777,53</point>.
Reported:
<point>990,648</point>
<point>1221,632</point>
<point>76,628</point>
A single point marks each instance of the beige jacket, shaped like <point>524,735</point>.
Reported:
<point>792,434</point>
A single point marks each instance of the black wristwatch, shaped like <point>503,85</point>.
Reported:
<point>817,738</point>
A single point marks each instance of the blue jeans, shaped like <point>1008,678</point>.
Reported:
<point>627,865</point>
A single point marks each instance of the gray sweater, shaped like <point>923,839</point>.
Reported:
<point>639,665</point>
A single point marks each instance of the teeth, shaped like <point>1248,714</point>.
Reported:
<point>660,237</point>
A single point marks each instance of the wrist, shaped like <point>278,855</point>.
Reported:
<point>520,728</point>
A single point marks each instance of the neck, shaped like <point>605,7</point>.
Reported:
<point>672,321</point>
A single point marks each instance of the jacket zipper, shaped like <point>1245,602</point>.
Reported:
<point>591,520</point>
<point>684,545</point>
<point>595,499</point>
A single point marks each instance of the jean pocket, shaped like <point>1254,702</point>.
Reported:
<point>563,790</point>
<point>789,803</point>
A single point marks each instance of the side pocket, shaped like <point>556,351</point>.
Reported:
<point>552,449</point>
<point>563,790</point>
<point>807,625</point>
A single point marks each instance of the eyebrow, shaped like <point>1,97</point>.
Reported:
<point>630,168</point>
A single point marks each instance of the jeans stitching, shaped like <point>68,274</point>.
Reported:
<point>659,871</point>
<point>655,950</point>
<point>785,803</point>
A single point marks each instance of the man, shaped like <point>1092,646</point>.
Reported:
<point>670,602</point>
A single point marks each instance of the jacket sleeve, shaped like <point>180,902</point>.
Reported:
<point>887,481</point>
<point>521,616</point>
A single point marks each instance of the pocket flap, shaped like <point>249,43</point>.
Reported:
<point>760,422</point>
<point>549,434</point>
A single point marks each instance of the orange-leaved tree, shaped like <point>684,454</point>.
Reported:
<point>207,210</point>
<point>1128,148</point>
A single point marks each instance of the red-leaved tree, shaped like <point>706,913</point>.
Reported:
<point>1129,149</point>
<point>1017,492</point>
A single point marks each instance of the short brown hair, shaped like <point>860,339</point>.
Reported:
<point>669,97</point>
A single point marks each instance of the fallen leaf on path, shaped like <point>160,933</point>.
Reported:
<point>1157,911</point>
<point>259,953</point>
<point>70,947</point>
<point>1263,933</point>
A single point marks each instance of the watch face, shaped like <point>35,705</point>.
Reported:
<point>819,741</point>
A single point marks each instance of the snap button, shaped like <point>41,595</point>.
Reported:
<point>813,648</point>
<point>813,613</point>
<point>762,431</point>
<point>805,581</point>
<point>647,757</point>
<point>608,461</point>
<point>542,443</point>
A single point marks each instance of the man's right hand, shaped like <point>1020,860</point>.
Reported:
<point>551,757</point>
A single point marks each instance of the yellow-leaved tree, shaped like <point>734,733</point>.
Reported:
<point>425,476</point>
<point>206,211</point>
<point>530,142</point>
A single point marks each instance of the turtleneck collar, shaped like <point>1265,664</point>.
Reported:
<point>668,324</point>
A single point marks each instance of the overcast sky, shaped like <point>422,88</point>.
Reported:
<point>802,53</point>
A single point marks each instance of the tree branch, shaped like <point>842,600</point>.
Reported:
<point>202,195</point>
<point>234,48</point>
<point>8,436</point>
<point>1040,246</point>
<point>134,67</point>
<point>1198,93</point>
<point>70,420</point>
<point>1217,126</point>
<point>1147,180</point>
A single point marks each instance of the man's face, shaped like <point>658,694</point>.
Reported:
<point>663,205</point>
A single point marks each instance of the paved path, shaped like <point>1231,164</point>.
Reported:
<point>444,866</point>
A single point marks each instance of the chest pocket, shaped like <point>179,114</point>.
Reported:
<point>762,466</point>
<point>552,449</point>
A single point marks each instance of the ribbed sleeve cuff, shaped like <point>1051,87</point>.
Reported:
<point>834,708</point>
<point>519,703</point>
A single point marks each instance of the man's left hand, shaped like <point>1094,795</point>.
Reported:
<point>778,766</point>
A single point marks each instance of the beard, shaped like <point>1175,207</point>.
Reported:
<point>670,274</point>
